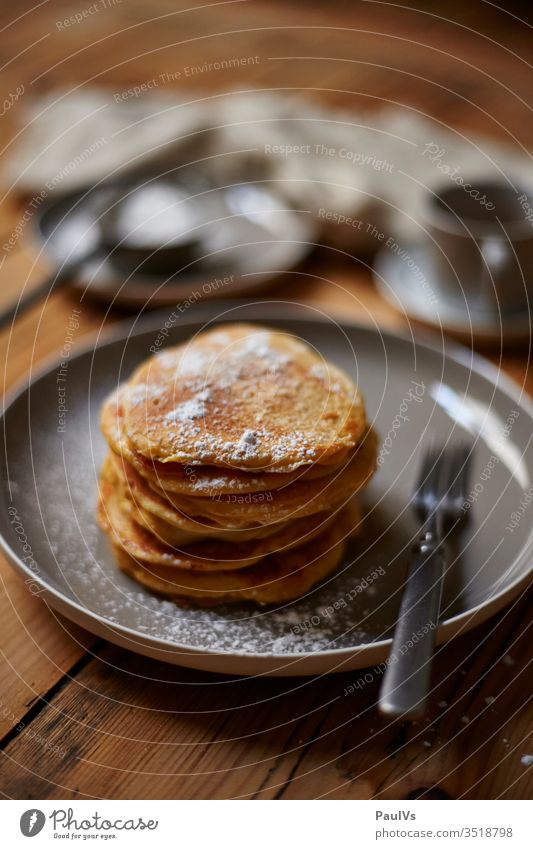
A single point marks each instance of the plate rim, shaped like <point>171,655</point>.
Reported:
<point>385,262</point>
<point>139,292</point>
<point>447,629</point>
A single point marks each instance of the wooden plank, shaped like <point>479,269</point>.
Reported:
<point>175,743</point>
<point>40,649</point>
<point>37,648</point>
<point>360,754</point>
<point>112,733</point>
<point>131,727</point>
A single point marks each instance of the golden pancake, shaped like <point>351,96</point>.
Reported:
<point>293,502</point>
<point>235,466</point>
<point>242,397</point>
<point>184,528</point>
<point>198,480</point>
<point>119,518</point>
<point>276,579</point>
<point>174,536</point>
<point>216,551</point>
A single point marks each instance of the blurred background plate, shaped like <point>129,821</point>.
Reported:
<point>249,236</point>
<point>411,287</point>
<point>50,471</point>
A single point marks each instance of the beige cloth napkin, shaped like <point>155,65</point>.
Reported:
<point>373,169</point>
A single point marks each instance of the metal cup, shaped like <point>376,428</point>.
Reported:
<point>482,244</point>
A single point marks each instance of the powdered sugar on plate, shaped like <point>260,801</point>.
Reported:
<point>86,571</point>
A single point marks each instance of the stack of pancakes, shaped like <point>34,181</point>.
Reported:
<point>235,463</point>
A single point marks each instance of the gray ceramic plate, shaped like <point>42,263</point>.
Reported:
<point>415,390</point>
<point>407,284</point>
<point>245,255</point>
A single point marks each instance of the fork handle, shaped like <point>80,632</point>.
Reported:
<point>405,686</point>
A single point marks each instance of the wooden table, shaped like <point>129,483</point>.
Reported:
<point>80,718</point>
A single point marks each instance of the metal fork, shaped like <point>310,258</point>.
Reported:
<point>439,501</point>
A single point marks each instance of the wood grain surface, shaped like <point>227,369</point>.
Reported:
<point>81,718</point>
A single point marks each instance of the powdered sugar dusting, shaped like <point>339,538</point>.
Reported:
<point>142,393</point>
<point>187,411</point>
<point>194,408</point>
<point>319,371</point>
<point>273,359</point>
<point>191,362</point>
<point>248,445</point>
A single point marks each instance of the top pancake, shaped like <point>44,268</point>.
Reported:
<point>200,480</point>
<point>242,397</point>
